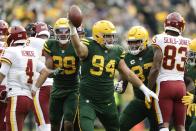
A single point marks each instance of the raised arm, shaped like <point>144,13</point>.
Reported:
<point>80,48</point>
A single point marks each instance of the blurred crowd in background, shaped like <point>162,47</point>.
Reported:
<point>123,13</point>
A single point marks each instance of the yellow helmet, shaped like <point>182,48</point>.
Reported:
<point>137,39</point>
<point>61,30</point>
<point>192,53</point>
<point>102,28</point>
<point>61,23</point>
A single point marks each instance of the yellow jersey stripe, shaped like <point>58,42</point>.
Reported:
<point>37,109</point>
<point>85,40</point>
<point>45,45</point>
<point>3,59</point>
<point>47,50</point>
<point>122,55</point>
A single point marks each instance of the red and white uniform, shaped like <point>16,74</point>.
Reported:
<point>2,104</point>
<point>41,100</point>
<point>19,65</point>
<point>170,81</point>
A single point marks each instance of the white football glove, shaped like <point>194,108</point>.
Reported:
<point>148,93</point>
<point>58,71</point>
<point>119,87</point>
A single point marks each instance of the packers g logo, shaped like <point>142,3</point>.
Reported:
<point>132,62</point>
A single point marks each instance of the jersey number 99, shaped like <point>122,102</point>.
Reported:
<point>67,63</point>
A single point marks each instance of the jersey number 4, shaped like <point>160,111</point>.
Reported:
<point>170,55</point>
<point>29,71</point>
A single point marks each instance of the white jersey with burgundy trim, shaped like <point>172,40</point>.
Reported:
<point>38,44</point>
<point>174,50</point>
<point>2,47</point>
<point>24,62</point>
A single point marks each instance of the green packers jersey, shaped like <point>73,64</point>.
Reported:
<point>67,60</point>
<point>97,71</point>
<point>140,65</point>
<point>191,71</point>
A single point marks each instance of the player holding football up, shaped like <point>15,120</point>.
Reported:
<point>190,99</point>
<point>19,64</point>
<point>139,59</point>
<point>3,37</point>
<point>100,57</point>
<point>168,71</point>
<point>64,94</point>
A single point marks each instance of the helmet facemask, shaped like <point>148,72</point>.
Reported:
<point>61,30</point>
<point>137,39</point>
<point>109,40</point>
<point>135,46</point>
<point>191,60</point>
<point>62,34</point>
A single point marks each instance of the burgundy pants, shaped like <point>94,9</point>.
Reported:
<point>2,112</point>
<point>171,93</point>
<point>17,109</point>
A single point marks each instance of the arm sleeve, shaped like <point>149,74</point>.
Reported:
<point>5,67</point>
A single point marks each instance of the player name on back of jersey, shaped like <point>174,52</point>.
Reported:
<point>176,40</point>
<point>28,53</point>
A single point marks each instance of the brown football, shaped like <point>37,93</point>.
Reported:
<point>75,15</point>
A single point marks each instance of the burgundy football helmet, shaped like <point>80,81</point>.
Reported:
<point>41,28</point>
<point>37,29</point>
<point>17,34</point>
<point>174,22</point>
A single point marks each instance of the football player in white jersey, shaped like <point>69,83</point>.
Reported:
<point>39,33</point>
<point>168,72</point>
<point>19,64</point>
<point>3,36</point>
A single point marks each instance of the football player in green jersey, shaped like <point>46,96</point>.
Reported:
<point>190,99</point>
<point>99,59</point>
<point>60,53</point>
<point>139,59</point>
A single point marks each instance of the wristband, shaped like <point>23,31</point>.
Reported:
<point>73,30</point>
<point>142,87</point>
